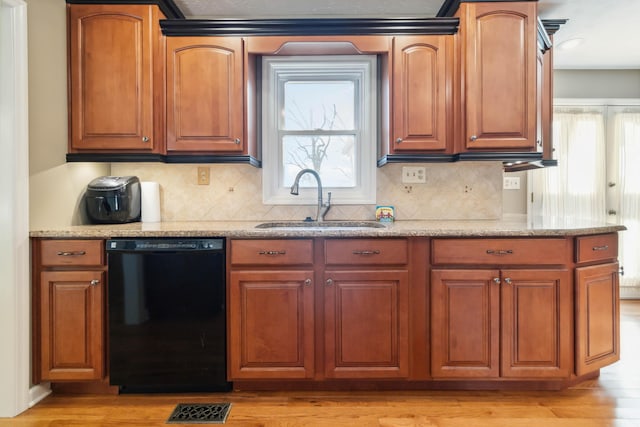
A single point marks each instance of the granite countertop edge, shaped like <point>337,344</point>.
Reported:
<point>519,226</point>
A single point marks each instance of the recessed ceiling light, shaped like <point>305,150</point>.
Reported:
<point>570,43</point>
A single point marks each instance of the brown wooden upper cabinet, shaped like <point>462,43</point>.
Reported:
<point>498,60</point>
<point>205,94</point>
<point>113,72</point>
<point>421,101</point>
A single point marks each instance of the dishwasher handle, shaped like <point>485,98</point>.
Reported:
<point>165,245</point>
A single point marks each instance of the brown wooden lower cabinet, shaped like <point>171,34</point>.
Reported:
<point>489,323</point>
<point>597,317</point>
<point>271,325</point>
<point>72,325</point>
<point>286,324</point>
<point>69,305</point>
<point>366,324</point>
<point>347,311</point>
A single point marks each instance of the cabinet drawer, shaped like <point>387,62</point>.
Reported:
<point>597,248</point>
<point>500,251</point>
<point>272,252</point>
<point>84,253</point>
<point>365,251</point>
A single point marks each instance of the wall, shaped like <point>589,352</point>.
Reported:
<point>54,185</point>
<point>468,190</point>
<point>596,84</point>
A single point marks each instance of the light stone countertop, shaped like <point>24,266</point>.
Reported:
<point>508,226</point>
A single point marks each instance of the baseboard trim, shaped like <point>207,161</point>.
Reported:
<point>38,392</point>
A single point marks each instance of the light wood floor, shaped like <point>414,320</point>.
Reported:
<point>611,400</point>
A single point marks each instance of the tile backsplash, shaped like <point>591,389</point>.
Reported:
<point>465,190</point>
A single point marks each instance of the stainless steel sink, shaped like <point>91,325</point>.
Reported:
<point>322,225</point>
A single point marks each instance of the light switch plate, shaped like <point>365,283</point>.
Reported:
<point>511,183</point>
<point>414,175</point>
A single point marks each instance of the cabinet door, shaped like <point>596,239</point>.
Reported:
<point>72,325</point>
<point>500,74</point>
<point>111,77</point>
<point>536,324</point>
<point>271,325</point>
<point>366,324</point>
<point>465,328</point>
<point>204,94</point>
<point>421,93</point>
<point>597,317</point>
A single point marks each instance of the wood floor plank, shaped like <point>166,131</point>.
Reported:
<point>612,400</point>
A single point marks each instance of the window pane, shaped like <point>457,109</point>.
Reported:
<point>333,157</point>
<point>326,105</point>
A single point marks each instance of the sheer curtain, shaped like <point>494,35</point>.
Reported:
<point>577,186</point>
<point>626,123</point>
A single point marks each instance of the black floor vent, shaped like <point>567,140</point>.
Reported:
<point>200,413</point>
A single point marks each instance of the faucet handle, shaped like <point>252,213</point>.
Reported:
<point>328,199</point>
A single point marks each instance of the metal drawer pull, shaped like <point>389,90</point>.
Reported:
<point>272,253</point>
<point>500,252</point>
<point>72,253</point>
<point>94,282</point>
<point>373,252</point>
<point>621,270</point>
<point>600,248</point>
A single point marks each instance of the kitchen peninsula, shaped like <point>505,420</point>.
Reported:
<point>518,302</point>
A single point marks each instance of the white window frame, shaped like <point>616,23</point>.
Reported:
<point>278,69</point>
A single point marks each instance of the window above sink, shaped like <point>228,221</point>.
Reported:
<point>319,112</point>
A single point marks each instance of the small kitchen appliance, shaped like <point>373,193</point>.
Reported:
<point>113,200</point>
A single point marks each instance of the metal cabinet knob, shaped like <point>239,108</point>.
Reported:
<point>398,140</point>
<point>307,282</point>
<point>496,280</point>
<point>145,139</point>
<point>94,282</point>
<point>329,282</point>
<point>473,137</point>
<point>507,281</point>
<point>237,141</point>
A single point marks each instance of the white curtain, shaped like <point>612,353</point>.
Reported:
<point>577,186</point>
<point>627,138</point>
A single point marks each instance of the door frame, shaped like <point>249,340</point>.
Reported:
<point>15,393</point>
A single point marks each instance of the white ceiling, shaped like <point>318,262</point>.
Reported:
<point>609,28</point>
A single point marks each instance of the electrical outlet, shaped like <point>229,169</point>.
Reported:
<point>511,183</point>
<point>203,175</point>
<point>414,175</point>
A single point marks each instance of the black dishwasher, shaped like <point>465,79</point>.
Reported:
<point>167,321</point>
